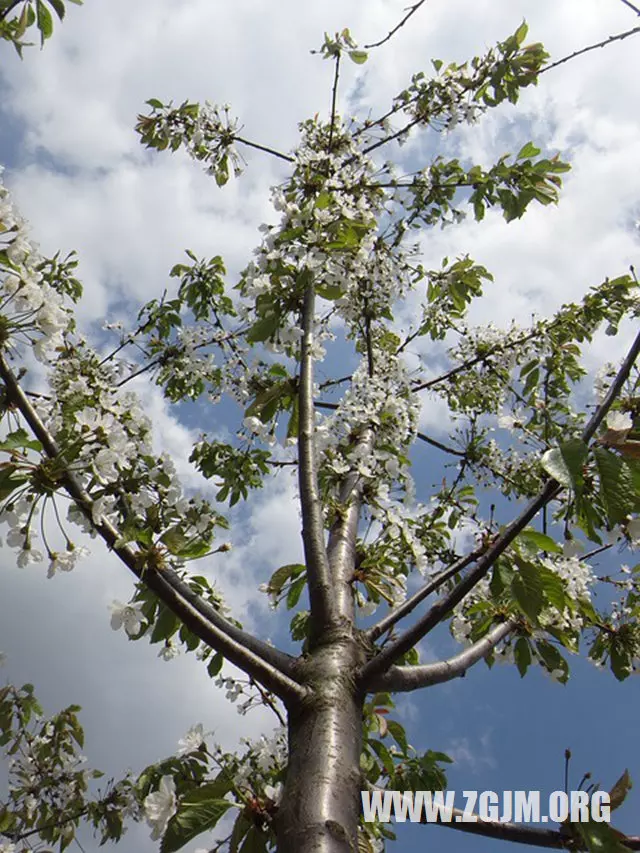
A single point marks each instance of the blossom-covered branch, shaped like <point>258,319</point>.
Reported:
<point>551,489</point>
<point>263,662</point>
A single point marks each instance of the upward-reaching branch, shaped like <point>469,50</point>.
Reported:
<point>269,666</point>
<point>321,600</point>
<point>343,534</point>
<point>412,10</point>
<point>402,679</point>
<point>604,43</point>
<point>551,489</point>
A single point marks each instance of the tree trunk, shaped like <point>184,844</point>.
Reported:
<point>320,806</point>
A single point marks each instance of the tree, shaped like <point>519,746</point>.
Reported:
<point>333,272</point>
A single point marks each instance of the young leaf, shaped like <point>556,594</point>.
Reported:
<point>45,21</point>
<point>359,56</point>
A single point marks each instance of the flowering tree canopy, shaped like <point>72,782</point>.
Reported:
<point>336,282</point>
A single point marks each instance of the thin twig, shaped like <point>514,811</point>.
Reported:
<point>631,6</point>
<point>264,148</point>
<point>334,100</point>
<point>387,622</point>
<point>412,10</point>
<point>607,41</point>
<point>440,446</point>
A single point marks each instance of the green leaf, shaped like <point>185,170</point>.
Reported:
<point>359,56</point>
<point>329,291</point>
<point>174,539</point>
<point>398,733</point>
<point>600,837</point>
<point>255,841</point>
<point>282,575</point>
<point>575,452</point>
<point>156,104</point>
<point>522,654</point>
<point>527,590</point>
<point>552,587</point>
<point>20,438</point>
<point>192,820</point>
<point>383,754</point>
<point>616,485</point>
<point>240,829</point>
<point>295,591</point>
<point>553,660</point>
<point>263,329</point>
<point>58,5</point>
<point>215,664</point>
<point>8,482</point>
<point>44,20</point>
<point>540,541</point>
<point>620,658</point>
<point>521,33</point>
<point>527,151</point>
<point>165,626</point>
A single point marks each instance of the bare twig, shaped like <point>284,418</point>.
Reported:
<point>439,445</point>
<point>334,100</point>
<point>264,148</point>
<point>631,6</point>
<point>604,43</point>
<point>412,10</point>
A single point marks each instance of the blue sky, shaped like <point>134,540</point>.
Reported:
<point>79,175</point>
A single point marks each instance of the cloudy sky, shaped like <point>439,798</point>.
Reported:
<point>78,173</point>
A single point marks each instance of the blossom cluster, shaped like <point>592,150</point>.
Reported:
<point>31,310</point>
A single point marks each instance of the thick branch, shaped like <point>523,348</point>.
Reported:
<point>269,666</point>
<point>343,534</point>
<point>315,552</point>
<point>402,679</point>
<point>520,833</point>
<point>551,490</point>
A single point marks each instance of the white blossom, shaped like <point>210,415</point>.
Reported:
<point>193,740</point>
<point>127,616</point>
<point>160,807</point>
